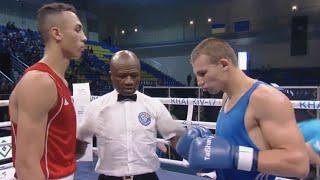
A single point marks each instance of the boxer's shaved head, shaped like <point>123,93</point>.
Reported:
<point>125,72</point>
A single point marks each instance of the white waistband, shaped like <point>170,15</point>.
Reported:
<point>70,177</point>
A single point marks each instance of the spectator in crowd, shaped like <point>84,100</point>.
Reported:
<point>189,78</point>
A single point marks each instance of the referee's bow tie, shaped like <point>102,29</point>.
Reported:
<point>132,97</point>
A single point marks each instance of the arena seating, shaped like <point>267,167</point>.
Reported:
<point>93,67</point>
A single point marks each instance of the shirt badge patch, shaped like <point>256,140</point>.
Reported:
<point>144,118</point>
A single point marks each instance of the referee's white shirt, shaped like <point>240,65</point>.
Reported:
<point>126,133</point>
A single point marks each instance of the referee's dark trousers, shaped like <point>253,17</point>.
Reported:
<point>146,176</point>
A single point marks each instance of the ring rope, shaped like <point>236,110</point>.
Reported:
<point>190,102</point>
<point>297,104</point>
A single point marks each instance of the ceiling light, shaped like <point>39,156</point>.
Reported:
<point>294,8</point>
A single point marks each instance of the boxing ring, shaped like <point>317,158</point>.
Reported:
<point>7,170</point>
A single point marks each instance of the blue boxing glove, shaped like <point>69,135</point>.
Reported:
<point>185,140</point>
<point>315,144</point>
<point>217,153</point>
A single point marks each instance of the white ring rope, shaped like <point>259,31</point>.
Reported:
<point>190,102</point>
<point>4,103</point>
<point>297,104</point>
<point>6,166</point>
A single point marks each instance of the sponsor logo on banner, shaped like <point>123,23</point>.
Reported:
<point>5,150</point>
<point>307,104</point>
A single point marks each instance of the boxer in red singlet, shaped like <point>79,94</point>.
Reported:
<point>41,110</point>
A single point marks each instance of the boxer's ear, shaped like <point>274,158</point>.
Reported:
<point>224,63</point>
<point>55,33</point>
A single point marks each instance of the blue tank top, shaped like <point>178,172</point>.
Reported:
<point>231,126</point>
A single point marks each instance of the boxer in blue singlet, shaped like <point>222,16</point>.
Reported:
<point>257,136</point>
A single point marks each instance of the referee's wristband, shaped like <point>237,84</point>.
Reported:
<point>246,159</point>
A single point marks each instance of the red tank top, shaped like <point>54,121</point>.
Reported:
<point>58,159</point>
